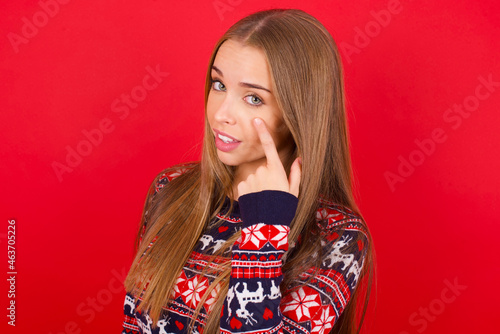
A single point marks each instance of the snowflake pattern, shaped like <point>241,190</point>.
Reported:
<point>325,321</point>
<point>254,237</point>
<point>328,214</point>
<point>179,284</point>
<point>209,303</point>
<point>279,236</point>
<point>194,289</point>
<point>303,302</point>
<point>176,173</point>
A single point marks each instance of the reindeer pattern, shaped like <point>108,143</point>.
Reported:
<point>246,296</point>
<point>347,260</point>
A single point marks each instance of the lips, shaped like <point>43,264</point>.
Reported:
<point>225,142</point>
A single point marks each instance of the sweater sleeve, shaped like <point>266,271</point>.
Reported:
<point>317,298</point>
<point>252,303</point>
<point>130,324</point>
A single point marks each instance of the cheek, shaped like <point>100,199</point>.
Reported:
<point>280,131</point>
<point>250,132</point>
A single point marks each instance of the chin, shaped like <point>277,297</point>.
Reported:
<point>223,157</point>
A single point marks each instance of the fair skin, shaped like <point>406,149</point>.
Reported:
<point>242,106</point>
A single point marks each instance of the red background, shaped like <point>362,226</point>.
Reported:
<point>75,233</point>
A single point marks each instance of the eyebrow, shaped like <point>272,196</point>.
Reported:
<point>242,84</point>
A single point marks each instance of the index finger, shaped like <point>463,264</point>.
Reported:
<point>267,142</point>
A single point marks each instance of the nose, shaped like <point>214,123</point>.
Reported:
<point>225,112</point>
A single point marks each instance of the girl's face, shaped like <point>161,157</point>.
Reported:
<point>241,91</point>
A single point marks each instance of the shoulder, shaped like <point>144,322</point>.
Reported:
<point>331,216</point>
<point>345,241</point>
<point>171,173</point>
<point>159,182</point>
<point>342,229</point>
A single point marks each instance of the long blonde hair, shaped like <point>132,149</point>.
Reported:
<point>307,82</point>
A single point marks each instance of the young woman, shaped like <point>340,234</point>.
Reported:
<point>263,234</point>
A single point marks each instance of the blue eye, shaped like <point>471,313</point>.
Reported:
<point>217,85</point>
<point>254,100</point>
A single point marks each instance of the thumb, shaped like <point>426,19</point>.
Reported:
<point>294,178</point>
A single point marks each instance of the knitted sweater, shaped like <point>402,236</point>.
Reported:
<point>253,303</point>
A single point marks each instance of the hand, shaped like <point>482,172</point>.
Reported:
<point>272,175</point>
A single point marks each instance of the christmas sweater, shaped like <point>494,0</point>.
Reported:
<point>253,303</point>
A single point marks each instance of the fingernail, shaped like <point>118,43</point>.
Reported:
<point>300,161</point>
<point>257,121</point>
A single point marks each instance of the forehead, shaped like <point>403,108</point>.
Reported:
<point>242,61</point>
